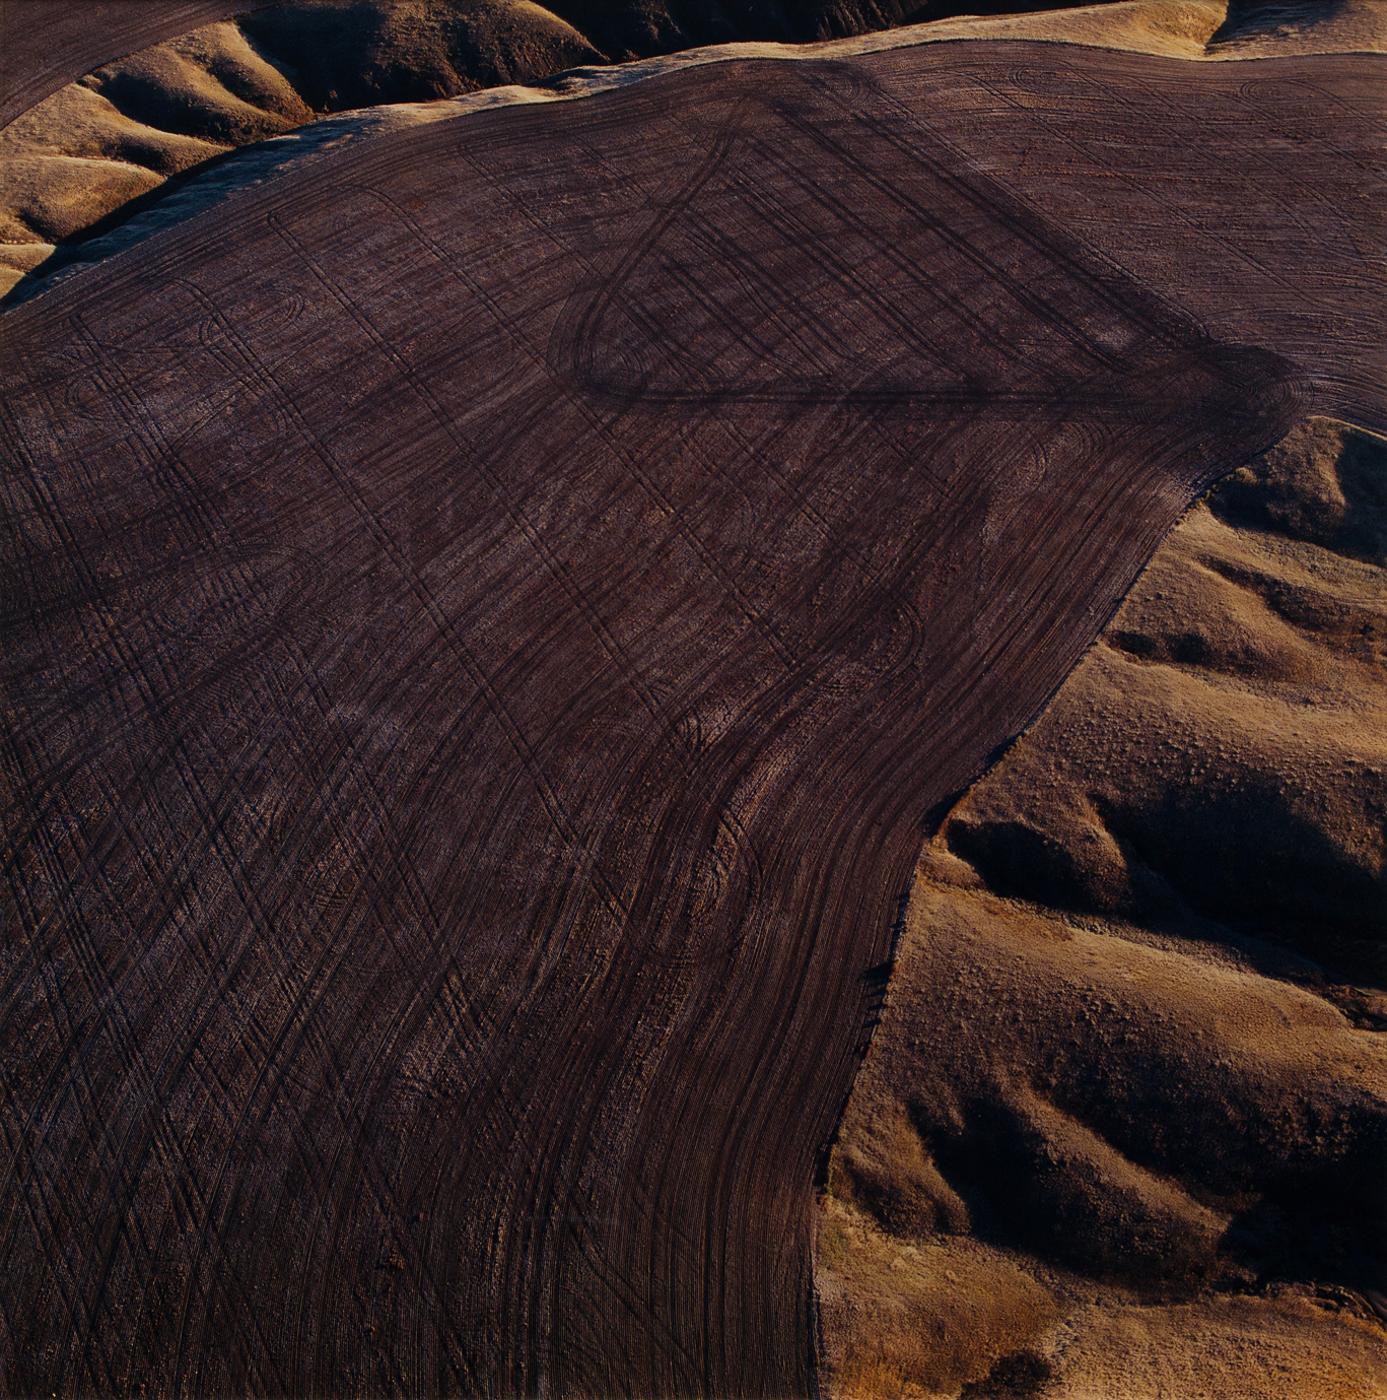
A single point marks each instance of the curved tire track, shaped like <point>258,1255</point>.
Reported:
<point>530,861</point>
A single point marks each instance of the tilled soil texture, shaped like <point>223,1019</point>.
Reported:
<point>488,621</point>
<point>126,114</point>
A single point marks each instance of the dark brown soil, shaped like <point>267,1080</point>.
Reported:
<point>488,622</point>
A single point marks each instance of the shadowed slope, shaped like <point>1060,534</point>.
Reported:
<point>45,44</point>
<point>144,115</point>
<point>93,153</point>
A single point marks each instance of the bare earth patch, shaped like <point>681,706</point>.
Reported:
<point>492,599</point>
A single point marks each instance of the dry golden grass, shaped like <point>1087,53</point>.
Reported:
<point>1234,1348</point>
<point>1132,1039</point>
<point>924,1319</point>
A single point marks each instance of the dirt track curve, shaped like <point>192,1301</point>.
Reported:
<point>488,622</point>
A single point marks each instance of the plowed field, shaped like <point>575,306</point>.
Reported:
<point>488,622</point>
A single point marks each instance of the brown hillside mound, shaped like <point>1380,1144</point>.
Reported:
<point>1130,1073</point>
<point>45,44</point>
<point>264,68</point>
<point>78,159</point>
